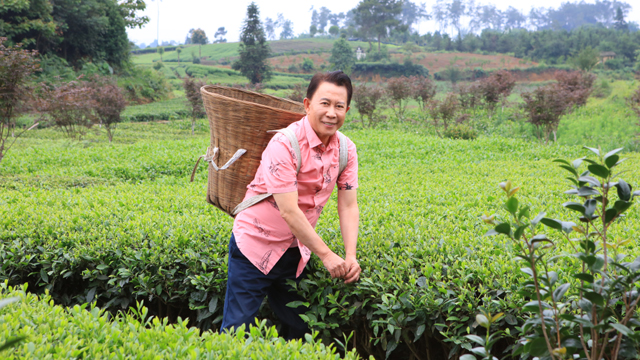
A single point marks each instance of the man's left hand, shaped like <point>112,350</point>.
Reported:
<point>354,270</point>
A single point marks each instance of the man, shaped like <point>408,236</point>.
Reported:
<point>272,241</point>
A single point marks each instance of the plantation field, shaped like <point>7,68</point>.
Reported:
<point>121,223</point>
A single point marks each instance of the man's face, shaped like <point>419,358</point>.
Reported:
<point>327,109</point>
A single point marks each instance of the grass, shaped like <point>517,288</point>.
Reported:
<point>86,210</point>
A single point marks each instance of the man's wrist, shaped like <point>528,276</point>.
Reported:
<point>351,257</point>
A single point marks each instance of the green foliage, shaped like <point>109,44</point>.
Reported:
<point>124,220</point>
<point>307,65</point>
<point>586,59</point>
<point>460,131</point>
<point>55,332</point>
<point>381,54</point>
<point>172,109</point>
<point>157,66</point>
<point>13,341</point>
<point>254,49</point>
<point>602,89</point>
<point>595,300</point>
<point>342,56</point>
<point>30,23</point>
<point>143,84</point>
<point>389,70</point>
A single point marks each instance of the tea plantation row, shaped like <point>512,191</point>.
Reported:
<point>120,224</point>
<point>86,332</point>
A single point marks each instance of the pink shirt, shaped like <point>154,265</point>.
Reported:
<point>261,233</point>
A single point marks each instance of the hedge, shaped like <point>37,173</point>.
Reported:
<point>86,332</point>
<point>389,70</point>
<point>125,226</point>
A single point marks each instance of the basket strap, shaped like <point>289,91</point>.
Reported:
<point>295,145</point>
<point>211,158</point>
<point>257,198</point>
<point>344,153</point>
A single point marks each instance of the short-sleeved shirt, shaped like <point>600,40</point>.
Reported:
<point>261,233</point>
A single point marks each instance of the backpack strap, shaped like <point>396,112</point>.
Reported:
<point>344,152</point>
<point>295,145</point>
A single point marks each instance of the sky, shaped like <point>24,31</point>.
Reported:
<point>178,16</point>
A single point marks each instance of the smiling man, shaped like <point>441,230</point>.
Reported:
<point>272,241</point>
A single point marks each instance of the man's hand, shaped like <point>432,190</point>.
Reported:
<point>336,266</point>
<point>353,271</point>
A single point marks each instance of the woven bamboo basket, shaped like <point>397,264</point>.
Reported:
<point>240,119</point>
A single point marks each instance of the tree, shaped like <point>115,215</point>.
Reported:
<point>586,59</point>
<point>620,23</point>
<point>16,67</point>
<point>370,101</point>
<point>160,52</point>
<point>194,99</point>
<point>399,92</point>
<point>128,8</point>
<point>334,30</point>
<point>287,30</point>
<point>377,18</point>
<point>220,35</point>
<point>270,27</point>
<point>253,49</point>
<point>199,37</point>
<point>313,30</point>
<point>109,102</point>
<point>178,51</point>
<point>545,106</point>
<point>68,106</point>
<point>30,23</point>
<point>342,56</point>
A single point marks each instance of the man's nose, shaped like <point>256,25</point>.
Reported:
<point>331,113</point>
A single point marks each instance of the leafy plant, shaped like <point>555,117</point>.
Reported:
<point>398,90</point>
<point>369,100</point>
<point>16,67</point>
<point>592,314</point>
<point>68,106</point>
<point>545,106</point>
<point>109,102</point>
<point>496,88</point>
<point>461,131</point>
<point>194,99</point>
<point>443,112</point>
<point>484,319</point>
<point>11,342</point>
<point>423,90</point>
<point>577,84</point>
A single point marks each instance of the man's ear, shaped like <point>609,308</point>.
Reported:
<point>306,103</point>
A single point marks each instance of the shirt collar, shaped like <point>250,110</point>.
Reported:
<point>313,138</point>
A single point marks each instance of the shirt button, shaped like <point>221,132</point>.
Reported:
<point>283,250</point>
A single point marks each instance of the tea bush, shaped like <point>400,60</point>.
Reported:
<point>120,224</point>
<point>84,331</point>
<point>461,131</point>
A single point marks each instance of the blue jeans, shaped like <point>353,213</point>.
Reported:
<point>247,286</point>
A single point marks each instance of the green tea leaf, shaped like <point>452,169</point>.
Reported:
<point>599,170</point>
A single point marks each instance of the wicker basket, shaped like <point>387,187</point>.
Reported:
<point>240,119</point>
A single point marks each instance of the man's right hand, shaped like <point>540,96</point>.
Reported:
<point>335,264</point>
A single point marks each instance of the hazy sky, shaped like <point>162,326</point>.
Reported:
<point>178,16</point>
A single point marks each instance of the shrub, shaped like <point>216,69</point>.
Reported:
<point>443,112</point>
<point>16,67</point>
<point>544,107</point>
<point>423,90</point>
<point>470,95</point>
<point>143,85</point>
<point>389,70</point>
<point>461,131</point>
<point>307,65</point>
<point>373,55</point>
<point>451,73</point>
<point>590,311</point>
<point>56,332</point>
<point>12,341</point>
<point>398,90</point>
<point>158,65</point>
<point>292,68</point>
<point>109,102</point>
<point>496,87</point>
<point>369,100</point>
<point>68,106</point>
<point>634,103</point>
<point>579,85</point>
<point>298,93</point>
<point>194,99</point>
<point>602,89</point>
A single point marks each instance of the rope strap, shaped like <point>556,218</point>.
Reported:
<point>212,160</point>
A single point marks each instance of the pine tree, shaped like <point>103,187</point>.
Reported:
<point>253,49</point>
<point>620,23</point>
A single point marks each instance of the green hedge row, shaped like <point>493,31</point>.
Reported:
<point>389,70</point>
<point>146,233</point>
<point>86,332</point>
